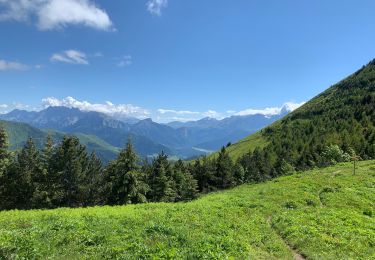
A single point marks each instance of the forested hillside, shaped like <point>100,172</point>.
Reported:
<point>338,124</point>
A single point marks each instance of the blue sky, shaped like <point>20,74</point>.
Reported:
<point>178,59</point>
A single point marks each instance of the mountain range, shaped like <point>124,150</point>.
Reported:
<point>108,134</point>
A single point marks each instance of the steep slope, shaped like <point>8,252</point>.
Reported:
<point>343,115</point>
<point>320,214</point>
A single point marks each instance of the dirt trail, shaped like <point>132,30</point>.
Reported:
<point>296,255</point>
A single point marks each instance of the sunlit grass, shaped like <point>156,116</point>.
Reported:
<point>323,214</point>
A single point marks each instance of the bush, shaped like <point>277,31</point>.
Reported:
<point>333,154</point>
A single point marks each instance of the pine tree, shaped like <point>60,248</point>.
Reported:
<point>186,185</point>
<point>93,183</point>
<point>127,183</point>
<point>224,167</point>
<point>162,185</point>
<point>4,154</point>
<point>69,166</point>
<point>204,172</point>
<point>6,198</point>
<point>30,175</point>
<point>46,179</point>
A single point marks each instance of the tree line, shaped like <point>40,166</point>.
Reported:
<point>65,175</point>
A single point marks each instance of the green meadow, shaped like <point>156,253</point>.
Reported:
<point>326,213</point>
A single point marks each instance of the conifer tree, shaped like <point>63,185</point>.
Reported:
<point>43,181</point>
<point>127,184</point>
<point>224,168</point>
<point>4,154</point>
<point>186,185</point>
<point>69,165</point>
<point>6,199</point>
<point>162,185</point>
<point>29,175</point>
<point>204,172</point>
<point>93,183</point>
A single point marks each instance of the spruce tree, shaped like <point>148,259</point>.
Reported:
<point>6,199</point>
<point>224,167</point>
<point>45,181</point>
<point>29,175</point>
<point>93,188</point>
<point>162,185</point>
<point>69,165</point>
<point>126,182</point>
<point>4,154</point>
<point>204,172</point>
<point>186,185</point>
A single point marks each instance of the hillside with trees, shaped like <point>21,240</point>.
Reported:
<point>336,125</point>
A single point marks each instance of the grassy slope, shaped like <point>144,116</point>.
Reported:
<point>248,144</point>
<point>323,214</point>
<point>245,145</point>
<point>103,149</point>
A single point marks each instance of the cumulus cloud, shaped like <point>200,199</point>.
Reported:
<point>121,110</point>
<point>70,56</point>
<point>155,7</point>
<point>271,111</point>
<point>56,14</point>
<point>12,65</point>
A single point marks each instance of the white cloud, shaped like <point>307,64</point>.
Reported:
<point>56,14</point>
<point>121,110</point>
<point>70,56</point>
<point>271,111</point>
<point>18,105</point>
<point>5,108</point>
<point>168,115</point>
<point>125,61</point>
<point>11,65</point>
<point>156,6</point>
<point>212,114</point>
<point>177,112</point>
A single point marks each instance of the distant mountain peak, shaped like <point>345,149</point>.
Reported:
<point>147,120</point>
<point>62,108</point>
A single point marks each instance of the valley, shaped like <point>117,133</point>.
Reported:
<point>107,135</point>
